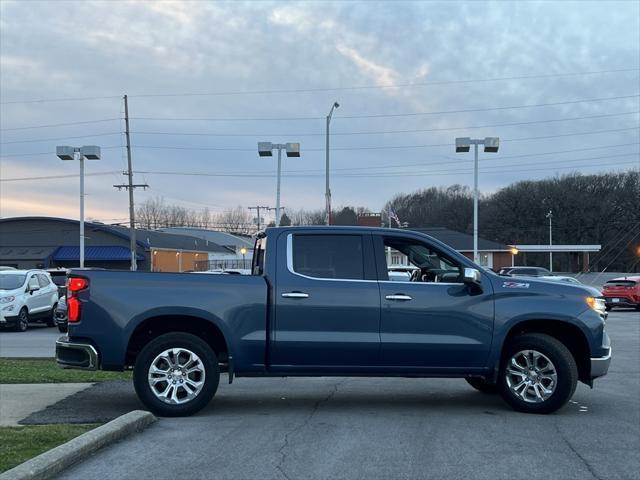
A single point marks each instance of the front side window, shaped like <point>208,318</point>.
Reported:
<point>33,282</point>
<point>429,265</point>
<point>43,280</point>
<point>328,256</point>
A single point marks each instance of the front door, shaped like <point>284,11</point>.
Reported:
<point>327,300</point>
<point>433,320</point>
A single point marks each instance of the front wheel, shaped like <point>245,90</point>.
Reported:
<point>176,375</point>
<point>23,320</point>
<point>538,374</point>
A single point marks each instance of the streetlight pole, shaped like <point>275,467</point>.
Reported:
<point>90,152</point>
<point>81,210</point>
<point>278,188</point>
<point>265,149</point>
<point>550,217</point>
<point>463,144</point>
<point>327,189</point>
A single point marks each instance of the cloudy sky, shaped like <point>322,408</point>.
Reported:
<point>206,81</point>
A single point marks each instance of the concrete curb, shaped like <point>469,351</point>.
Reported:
<point>51,463</point>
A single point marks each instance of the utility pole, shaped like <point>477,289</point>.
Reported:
<point>130,186</point>
<point>257,209</point>
<point>550,217</point>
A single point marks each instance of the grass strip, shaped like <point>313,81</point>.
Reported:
<point>19,444</point>
<point>46,370</point>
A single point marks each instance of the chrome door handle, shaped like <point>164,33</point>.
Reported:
<point>295,295</point>
<point>398,297</point>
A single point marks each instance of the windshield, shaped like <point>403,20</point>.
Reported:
<point>11,282</point>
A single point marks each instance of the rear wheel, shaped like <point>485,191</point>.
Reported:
<point>482,385</point>
<point>23,320</point>
<point>538,374</point>
<point>176,375</point>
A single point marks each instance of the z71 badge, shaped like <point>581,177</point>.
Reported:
<point>515,285</point>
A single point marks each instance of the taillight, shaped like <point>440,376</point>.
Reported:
<point>73,309</point>
<point>75,285</point>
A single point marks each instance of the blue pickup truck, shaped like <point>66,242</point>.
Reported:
<point>320,302</point>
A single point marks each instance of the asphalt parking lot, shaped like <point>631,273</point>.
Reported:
<point>38,341</point>
<point>355,428</point>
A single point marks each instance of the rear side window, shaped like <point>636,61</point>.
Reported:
<point>329,256</point>
<point>43,280</point>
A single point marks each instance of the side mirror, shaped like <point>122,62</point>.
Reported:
<point>471,276</point>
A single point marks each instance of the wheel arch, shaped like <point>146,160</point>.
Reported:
<point>566,332</point>
<point>155,324</point>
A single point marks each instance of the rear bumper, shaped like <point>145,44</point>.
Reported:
<point>619,301</point>
<point>600,365</point>
<point>76,355</point>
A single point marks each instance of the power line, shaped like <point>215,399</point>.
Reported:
<point>33,140</point>
<point>377,87</point>
<point>85,122</point>
<point>384,132</point>
<point>68,99</point>
<point>380,147</point>
<point>329,89</point>
<point>38,154</point>
<point>385,115</point>
<point>54,177</point>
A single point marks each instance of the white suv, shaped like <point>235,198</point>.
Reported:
<point>26,295</point>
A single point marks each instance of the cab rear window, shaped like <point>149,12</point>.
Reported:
<point>620,283</point>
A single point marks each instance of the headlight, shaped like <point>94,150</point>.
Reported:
<point>8,299</point>
<point>596,304</point>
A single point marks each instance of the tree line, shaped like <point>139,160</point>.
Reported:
<point>599,209</point>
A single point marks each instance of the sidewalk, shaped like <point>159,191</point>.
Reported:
<point>18,401</point>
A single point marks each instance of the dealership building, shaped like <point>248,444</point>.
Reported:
<point>49,242</point>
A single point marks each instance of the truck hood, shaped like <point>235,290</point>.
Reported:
<point>547,286</point>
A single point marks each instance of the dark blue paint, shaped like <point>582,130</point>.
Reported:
<point>343,327</point>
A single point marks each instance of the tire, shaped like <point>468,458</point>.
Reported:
<point>607,309</point>
<point>553,357</point>
<point>161,354</point>
<point>62,328</point>
<point>23,320</point>
<point>51,319</point>
<point>482,385</point>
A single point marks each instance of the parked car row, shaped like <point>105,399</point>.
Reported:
<point>26,296</point>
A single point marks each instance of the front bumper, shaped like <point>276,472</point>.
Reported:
<point>76,355</point>
<point>8,321</point>
<point>600,365</point>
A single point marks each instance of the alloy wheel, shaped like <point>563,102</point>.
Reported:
<point>176,376</point>
<point>531,376</point>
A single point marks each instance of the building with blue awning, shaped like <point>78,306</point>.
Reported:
<point>50,242</point>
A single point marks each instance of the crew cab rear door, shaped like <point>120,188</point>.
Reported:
<point>327,302</point>
<point>434,321</point>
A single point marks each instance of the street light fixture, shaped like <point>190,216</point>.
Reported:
<point>463,144</point>
<point>514,251</point>
<point>243,251</point>
<point>90,152</point>
<point>265,149</point>
<point>327,189</point>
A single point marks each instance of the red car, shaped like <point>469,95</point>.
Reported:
<point>622,292</point>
